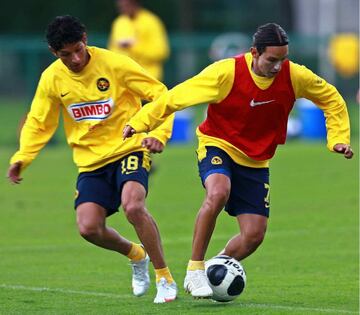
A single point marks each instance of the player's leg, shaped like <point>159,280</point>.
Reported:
<point>215,172</point>
<point>217,193</point>
<point>249,202</point>
<point>133,202</point>
<point>253,228</point>
<point>90,219</point>
<point>97,198</point>
<point>132,182</point>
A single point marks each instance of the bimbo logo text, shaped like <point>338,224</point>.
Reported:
<point>97,110</point>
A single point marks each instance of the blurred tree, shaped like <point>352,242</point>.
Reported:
<point>25,16</point>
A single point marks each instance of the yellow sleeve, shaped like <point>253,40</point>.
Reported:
<point>40,125</point>
<point>164,131</point>
<point>148,88</point>
<point>211,85</point>
<point>308,85</point>
<point>140,82</point>
<point>121,29</point>
<point>155,47</point>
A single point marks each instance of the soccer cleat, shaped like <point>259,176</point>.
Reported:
<point>140,277</point>
<point>196,284</point>
<point>166,292</point>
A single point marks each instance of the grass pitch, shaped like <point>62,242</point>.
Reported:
<point>308,263</point>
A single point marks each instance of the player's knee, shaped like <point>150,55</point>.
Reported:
<point>254,238</point>
<point>89,232</point>
<point>258,239</point>
<point>216,198</point>
<point>134,211</point>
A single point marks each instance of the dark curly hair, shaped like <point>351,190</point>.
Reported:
<point>270,34</point>
<point>64,30</point>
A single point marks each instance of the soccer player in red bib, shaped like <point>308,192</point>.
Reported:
<point>250,97</point>
<point>97,91</point>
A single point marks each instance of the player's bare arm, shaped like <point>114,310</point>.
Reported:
<point>13,173</point>
<point>344,149</point>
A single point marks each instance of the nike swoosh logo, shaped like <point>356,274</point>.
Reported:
<point>62,95</point>
<point>130,172</point>
<point>253,103</point>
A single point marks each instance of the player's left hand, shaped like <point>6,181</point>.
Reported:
<point>153,145</point>
<point>344,149</point>
<point>128,132</point>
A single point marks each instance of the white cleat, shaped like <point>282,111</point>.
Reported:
<point>140,277</point>
<point>196,284</point>
<point>166,292</point>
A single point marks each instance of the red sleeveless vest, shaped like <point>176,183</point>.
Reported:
<point>251,119</point>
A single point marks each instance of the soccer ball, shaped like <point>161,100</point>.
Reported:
<point>226,277</point>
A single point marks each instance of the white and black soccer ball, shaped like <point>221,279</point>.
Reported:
<point>226,277</point>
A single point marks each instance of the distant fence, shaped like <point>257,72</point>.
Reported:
<point>23,58</point>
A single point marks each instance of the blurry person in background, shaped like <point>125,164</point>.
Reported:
<point>345,44</point>
<point>141,35</point>
<point>250,97</point>
<point>97,91</point>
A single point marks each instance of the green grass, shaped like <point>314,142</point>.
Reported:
<point>308,263</point>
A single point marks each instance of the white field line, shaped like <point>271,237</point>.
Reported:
<point>64,291</point>
<point>118,296</point>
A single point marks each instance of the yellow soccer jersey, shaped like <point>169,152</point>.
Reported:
<point>214,83</point>
<point>147,33</point>
<point>95,103</point>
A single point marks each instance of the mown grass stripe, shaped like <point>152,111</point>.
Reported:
<point>118,296</point>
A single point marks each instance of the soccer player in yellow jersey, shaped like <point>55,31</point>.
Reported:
<point>250,97</point>
<point>141,35</point>
<point>97,91</point>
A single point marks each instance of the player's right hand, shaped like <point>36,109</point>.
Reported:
<point>14,173</point>
<point>128,131</point>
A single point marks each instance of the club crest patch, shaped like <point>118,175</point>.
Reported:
<point>103,84</point>
<point>216,160</point>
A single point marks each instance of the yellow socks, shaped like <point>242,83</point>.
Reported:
<point>164,273</point>
<point>136,253</point>
<point>196,265</point>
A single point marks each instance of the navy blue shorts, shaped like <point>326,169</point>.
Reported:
<point>250,189</point>
<point>103,186</point>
